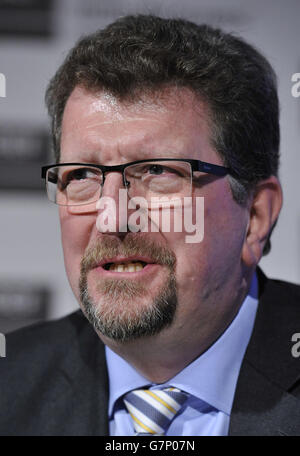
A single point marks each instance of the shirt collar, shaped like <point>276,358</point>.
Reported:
<point>212,377</point>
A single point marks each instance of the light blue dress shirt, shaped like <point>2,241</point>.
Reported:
<point>210,380</point>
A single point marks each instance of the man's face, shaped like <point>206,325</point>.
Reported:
<point>178,289</point>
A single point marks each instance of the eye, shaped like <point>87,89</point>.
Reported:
<point>155,169</point>
<point>78,175</point>
<point>158,171</point>
<point>81,174</point>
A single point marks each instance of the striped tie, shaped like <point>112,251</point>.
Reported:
<point>153,411</point>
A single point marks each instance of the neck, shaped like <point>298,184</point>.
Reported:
<point>159,358</point>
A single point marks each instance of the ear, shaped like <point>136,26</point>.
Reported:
<point>263,212</point>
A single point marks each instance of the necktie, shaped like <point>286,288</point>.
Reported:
<point>153,411</point>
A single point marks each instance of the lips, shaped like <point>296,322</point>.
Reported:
<point>121,264</point>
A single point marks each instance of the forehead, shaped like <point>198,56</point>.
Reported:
<point>168,121</point>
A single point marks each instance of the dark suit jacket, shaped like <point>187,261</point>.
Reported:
<point>53,380</point>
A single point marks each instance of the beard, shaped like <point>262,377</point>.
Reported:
<point>125,311</point>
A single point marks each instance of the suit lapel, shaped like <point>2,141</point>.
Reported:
<point>263,408</point>
<point>263,403</point>
<point>83,396</point>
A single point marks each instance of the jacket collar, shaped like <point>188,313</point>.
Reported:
<point>84,381</point>
<point>263,403</point>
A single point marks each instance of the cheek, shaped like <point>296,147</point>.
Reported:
<point>203,264</point>
<point>225,220</point>
<point>76,231</point>
<point>190,266</point>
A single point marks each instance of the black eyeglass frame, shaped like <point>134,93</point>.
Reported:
<point>196,165</point>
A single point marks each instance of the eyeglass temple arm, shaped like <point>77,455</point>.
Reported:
<point>198,165</point>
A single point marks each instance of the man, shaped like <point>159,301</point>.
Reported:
<point>184,337</point>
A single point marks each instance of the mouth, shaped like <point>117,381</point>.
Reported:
<point>126,265</point>
<point>132,266</point>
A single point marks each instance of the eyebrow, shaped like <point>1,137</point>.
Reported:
<point>94,157</point>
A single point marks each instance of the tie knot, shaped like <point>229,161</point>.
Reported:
<point>152,411</point>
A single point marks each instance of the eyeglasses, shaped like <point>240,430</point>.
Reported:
<point>73,184</point>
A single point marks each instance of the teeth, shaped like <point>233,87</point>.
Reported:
<point>126,267</point>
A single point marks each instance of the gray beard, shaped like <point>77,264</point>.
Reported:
<point>116,321</point>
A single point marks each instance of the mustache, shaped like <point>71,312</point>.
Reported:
<point>132,245</point>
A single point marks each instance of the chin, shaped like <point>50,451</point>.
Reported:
<point>125,311</point>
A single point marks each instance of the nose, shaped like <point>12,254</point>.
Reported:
<point>112,205</point>
<point>113,182</point>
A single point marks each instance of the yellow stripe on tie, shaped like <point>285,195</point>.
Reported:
<point>161,401</point>
<point>141,424</point>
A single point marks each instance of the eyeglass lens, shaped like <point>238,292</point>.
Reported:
<point>76,185</point>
